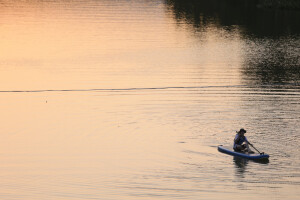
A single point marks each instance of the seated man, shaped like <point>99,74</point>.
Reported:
<point>240,142</point>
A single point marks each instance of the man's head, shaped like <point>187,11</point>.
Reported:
<point>242,131</point>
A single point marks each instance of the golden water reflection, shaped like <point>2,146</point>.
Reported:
<point>120,100</point>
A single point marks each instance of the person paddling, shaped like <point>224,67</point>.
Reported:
<point>240,142</point>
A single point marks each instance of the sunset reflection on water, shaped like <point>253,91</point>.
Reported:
<point>129,100</point>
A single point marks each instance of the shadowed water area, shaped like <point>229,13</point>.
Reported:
<point>129,99</point>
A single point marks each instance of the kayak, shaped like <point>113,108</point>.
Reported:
<point>252,156</point>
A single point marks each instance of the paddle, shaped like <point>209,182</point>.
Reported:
<point>256,149</point>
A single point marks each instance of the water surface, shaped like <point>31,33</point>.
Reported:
<point>129,99</point>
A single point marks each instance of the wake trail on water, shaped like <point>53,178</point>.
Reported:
<point>117,89</point>
<point>286,86</point>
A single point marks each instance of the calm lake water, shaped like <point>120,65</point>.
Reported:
<point>129,99</point>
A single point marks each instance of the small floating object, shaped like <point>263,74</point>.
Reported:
<point>251,156</point>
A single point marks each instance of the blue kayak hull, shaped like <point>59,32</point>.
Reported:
<point>252,156</point>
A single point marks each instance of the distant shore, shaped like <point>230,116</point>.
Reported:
<point>280,4</point>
